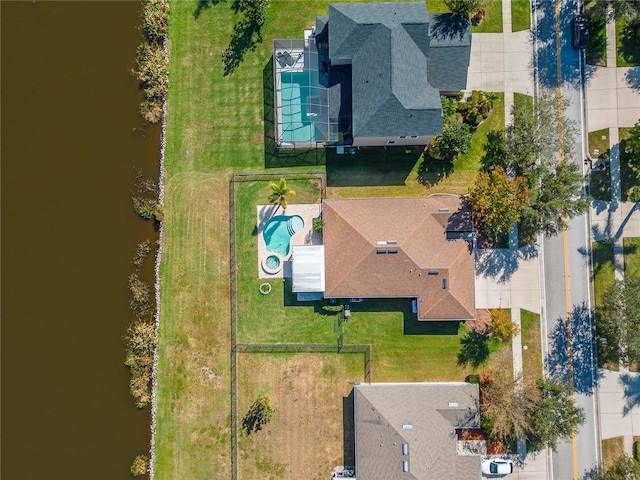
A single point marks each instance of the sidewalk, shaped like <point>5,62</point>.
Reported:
<point>508,278</point>
<point>612,104</point>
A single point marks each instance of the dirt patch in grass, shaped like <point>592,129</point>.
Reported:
<point>612,450</point>
<point>306,438</point>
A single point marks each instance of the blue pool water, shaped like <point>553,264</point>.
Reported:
<point>278,231</point>
<point>296,88</point>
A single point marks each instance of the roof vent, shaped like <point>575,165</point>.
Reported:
<point>453,405</point>
<point>381,242</point>
<point>405,466</point>
<point>407,426</point>
<point>392,242</point>
<point>444,283</point>
<point>443,210</point>
<point>405,449</point>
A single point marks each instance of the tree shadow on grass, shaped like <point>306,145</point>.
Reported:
<point>204,5</point>
<point>586,374</point>
<point>432,171</point>
<point>474,349</point>
<point>596,52</point>
<point>348,431</point>
<point>247,33</point>
<point>371,166</point>
<point>629,41</point>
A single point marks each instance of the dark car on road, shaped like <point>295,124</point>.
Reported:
<point>579,32</point>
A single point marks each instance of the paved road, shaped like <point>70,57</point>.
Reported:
<point>565,257</point>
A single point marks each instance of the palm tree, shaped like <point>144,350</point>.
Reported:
<point>280,193</point>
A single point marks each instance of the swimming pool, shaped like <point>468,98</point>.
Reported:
<point>297,89</point>
<point>278,231</point>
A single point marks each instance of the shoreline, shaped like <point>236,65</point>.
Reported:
<point>158,261</point>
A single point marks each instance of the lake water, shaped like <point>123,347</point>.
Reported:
<point>71,137</point>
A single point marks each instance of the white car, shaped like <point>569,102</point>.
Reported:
<point>496,466</point>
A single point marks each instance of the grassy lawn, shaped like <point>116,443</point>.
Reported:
<point>596,52</point>
<point>532,356</point>
<point>603,277</point>
<point>628,178</point>
<point>216,126</point>
<point>631,248</point>
<point>393,172</point>
<point>520,15</point>
<point>600,181</point>
<point>403,349</point>
<point>302,388</point>
<point>627,40</point>
<point>492,22</point>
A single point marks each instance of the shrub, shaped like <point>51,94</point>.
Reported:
<point>156,18</point>
<point>318,224</point>
<point>141,342</point>
<point>140,302</point>
<point>473,378</point>
<point>142,251</point>
<point>501,327</point>
<point>331,306</point>
<point>258,415</point>
<point>636,450</point>
<point>140,466</point>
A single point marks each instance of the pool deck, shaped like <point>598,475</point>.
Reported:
<point>306,236</point>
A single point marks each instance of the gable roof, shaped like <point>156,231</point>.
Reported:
<point>388,46</point>
<point>418,260</point>
<point>422,416</point>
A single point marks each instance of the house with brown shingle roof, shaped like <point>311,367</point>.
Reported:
<point>418,247</point>
<point>411,431</point>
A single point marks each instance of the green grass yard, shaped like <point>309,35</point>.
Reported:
<point>600,180</point>
<point>631,249</point>
<point>532,356</point>
<point>520,15</point>
<point>627,39</point>
<point>603,277</point>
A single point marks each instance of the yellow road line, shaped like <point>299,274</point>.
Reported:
<point>565,240</point>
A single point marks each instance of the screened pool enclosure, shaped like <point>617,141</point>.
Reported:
<point>306,108</point>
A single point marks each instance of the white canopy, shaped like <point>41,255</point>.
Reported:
<point>308,268</point>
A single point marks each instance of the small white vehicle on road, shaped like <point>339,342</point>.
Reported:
<point>496,467</point>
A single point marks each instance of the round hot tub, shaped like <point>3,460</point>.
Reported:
<point>272,263</point>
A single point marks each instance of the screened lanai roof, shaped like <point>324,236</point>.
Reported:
<point>306,108</point>
<point>308,268</point>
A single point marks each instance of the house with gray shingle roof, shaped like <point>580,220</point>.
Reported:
<point>376,73</point>
<point>415,247</point>
<point>413,431</point>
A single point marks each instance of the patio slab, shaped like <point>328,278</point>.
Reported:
<point>306,236</point>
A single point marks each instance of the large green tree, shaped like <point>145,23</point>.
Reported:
<point>633,148</point>
<point>498,201</point>
<point>537,146</point>
<point>618,320</point>
<point>542,413</point>
<point>555,416</point>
